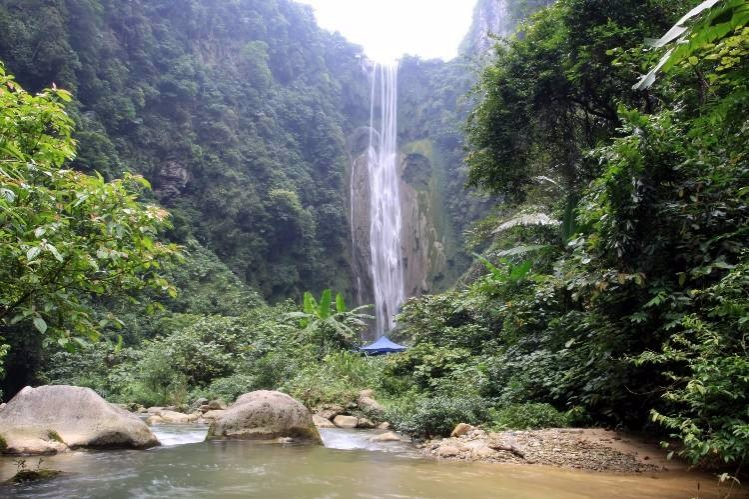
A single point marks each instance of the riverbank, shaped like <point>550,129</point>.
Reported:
<point>590,449</point>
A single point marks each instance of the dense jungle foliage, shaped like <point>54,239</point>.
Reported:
<point>236,111</point>
<point>612,286</point>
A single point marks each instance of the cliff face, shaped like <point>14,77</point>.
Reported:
<point>496,18</point>
<point>424,234</point>
<point>491,17</point>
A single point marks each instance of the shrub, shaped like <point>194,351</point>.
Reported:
<point>436,416</point>
<point>228,388</point>
<point>529,416</point>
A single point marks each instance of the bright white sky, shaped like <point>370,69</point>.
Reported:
<point>388,29</point>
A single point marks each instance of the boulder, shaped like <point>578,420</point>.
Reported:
<point>461,430</point>
<point>365,423</point>
<point>321,422</point>
<point>383,426</point>
<point>265,415</point>
<point>212,414</point>
<point>178,417</point>
<point>52,419</point>
<point>390,436</point>
<point>217,405</point>
<point>368,404</point>
<point>346,421</point>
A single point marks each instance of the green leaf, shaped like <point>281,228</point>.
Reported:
<point>325,301</point>
<point>40,324</point>
<point>33,252</point>
<point>340,304</point>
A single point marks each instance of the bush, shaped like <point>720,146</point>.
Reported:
<point>436,416</point>
<point>528,417</point>
<point>228,388</point>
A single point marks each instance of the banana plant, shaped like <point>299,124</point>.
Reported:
<point>328,322</point>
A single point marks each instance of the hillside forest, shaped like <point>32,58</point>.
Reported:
<point>174,224</point>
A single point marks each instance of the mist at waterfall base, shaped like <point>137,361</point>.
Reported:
<point>386,265</point>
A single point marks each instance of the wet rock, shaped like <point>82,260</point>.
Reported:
<point>321,422</point>
<point>461,429</point>
<point>390,436</point>
<point>51,419</point>
<point>349,422</point>
<point>265,415</point>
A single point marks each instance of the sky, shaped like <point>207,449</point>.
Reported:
<point>388,29</point>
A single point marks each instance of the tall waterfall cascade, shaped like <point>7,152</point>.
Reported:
<point>385,227</point>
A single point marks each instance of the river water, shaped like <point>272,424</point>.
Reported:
<point>348,467</point>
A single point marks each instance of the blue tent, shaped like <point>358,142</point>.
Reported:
<point>382,346</point>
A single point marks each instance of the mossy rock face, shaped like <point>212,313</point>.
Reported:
<point>28,476</point>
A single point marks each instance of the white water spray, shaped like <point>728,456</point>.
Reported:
<point>386,265</point>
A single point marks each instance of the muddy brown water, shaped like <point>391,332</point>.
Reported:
<point>348,467</point>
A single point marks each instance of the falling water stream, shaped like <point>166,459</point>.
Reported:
<point>386,264</point>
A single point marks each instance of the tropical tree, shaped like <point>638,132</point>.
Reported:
<point>65,236</point>
<point>328,323</point>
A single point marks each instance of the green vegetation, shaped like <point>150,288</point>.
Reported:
<point>610,281</point>
<point>236,111</point>
<point>627,216</point>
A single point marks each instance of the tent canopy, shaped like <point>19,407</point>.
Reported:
<point>382,347</point>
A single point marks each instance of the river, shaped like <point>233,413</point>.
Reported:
<point>349,466</point>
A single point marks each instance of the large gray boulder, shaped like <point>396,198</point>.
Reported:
<point>265,415</point>
<point>55,418</point>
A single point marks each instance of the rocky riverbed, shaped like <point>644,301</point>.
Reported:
<point>590,449</point>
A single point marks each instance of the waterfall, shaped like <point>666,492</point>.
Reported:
<point>386,265</point>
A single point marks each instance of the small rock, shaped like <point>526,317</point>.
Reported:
<point>211,415</point>
<point>199,402</point>
<point>390,436</point>
<point>154,419</point>
<point>204,408</point>
<point>217,405</point>
<point>483,452</point>
<point>154,410</point>
<point>284,440</point>
<point>364,423</point>
<point>330,411</point>
<point>367,403</point>
<point>321,422</point>
<point>2,406</point>
<point>448,451</point>
<point>461,430</point>
<point>346,421</point>
<point>178,417</point>
<point>383,426</point>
